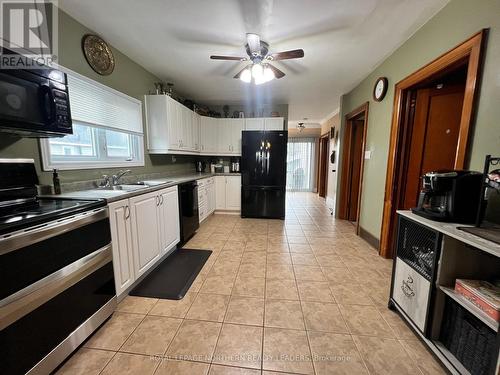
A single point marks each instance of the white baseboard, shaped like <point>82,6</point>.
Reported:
<point>225,212</point>
<point>330,203</point>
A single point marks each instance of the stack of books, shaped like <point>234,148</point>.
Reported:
<point>483,294</point>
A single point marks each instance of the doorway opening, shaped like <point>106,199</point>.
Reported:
<point>323,165</point>
<point>351,180</point>
<point>301,164</point>
<point>431,123</point>
<point>432,129</point>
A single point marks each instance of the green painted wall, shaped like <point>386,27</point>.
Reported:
<point>128,77</point>
<point>456,22</point>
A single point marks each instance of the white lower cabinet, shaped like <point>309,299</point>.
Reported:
<point>220,192</point>
<point>228,193</point>
<point>169,219</point>
<point>145,219</point>
<point>206,197</point>
<point>143,228</point>
<point>123,264</point>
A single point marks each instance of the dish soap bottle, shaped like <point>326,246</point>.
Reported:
<point>56,182</point>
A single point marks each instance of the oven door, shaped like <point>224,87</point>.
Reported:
<point>31,105</point>
<point>55,291</point>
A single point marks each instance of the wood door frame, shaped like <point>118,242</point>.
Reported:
<point>323,162</point>
<point>346,152</point>
<point>470,51</point>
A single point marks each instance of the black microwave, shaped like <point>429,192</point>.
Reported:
<point>34,102</point>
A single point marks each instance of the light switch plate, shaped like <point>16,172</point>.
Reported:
<point>368,155</point>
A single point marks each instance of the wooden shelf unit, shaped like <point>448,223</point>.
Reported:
<point>462,256</point>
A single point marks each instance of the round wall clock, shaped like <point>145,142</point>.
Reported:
<point>380,89</point>
<point>98,54</point>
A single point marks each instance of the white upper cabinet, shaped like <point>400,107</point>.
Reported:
<point>196,131</point>
<point>174,119</point>
<point>208,134</point>
<point>236,126</point>
<point>273,123</point>
<point>254,124</point>
<point>174,128</point>
<point>224,136</point>
<point>158,118</point>
<point>229,136</point>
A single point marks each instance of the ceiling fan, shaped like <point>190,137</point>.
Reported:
<point>260,69</point>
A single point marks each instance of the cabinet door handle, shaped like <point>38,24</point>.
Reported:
<point>126,212</point>
<point>157,200</point>
<point>161,196</point>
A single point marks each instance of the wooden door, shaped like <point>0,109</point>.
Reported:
<point>434,136</point>
<point>356,155</point>
<point>323,166</point>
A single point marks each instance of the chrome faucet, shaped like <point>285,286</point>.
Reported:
<point>115,179</point>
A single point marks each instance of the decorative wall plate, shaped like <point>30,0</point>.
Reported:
<point>98,54</point>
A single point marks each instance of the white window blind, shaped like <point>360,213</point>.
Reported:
<point>95,104</point>
<point>300,164</point>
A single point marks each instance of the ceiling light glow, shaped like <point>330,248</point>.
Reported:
<point>246,75</point>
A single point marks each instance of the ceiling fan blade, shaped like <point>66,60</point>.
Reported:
<point>236,58</point>
<point>237,76</point>
<point>277,73</point>
<point>253,41</point>
<point>287,55</point>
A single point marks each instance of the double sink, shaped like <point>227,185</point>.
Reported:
<point>135,186</point>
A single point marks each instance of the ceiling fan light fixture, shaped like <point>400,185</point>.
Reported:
<point>257,72</point>
<point>246,75</point>
<point>268,74</point>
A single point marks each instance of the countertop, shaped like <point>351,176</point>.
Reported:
<point>451,229</point>
<point>116,195</point>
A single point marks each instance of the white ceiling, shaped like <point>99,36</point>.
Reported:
<point>343,41</point>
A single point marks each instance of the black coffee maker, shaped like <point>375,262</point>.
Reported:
<point>451,196</point>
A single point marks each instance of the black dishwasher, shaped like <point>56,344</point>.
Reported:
<point>188,210</point>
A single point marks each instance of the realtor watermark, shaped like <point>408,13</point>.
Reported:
<point>28,34</point>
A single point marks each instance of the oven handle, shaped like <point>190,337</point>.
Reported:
<point>24,238</point>
<point>63,273</point>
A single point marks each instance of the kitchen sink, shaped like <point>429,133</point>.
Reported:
<point>156,182</point>
<point>126,187</point>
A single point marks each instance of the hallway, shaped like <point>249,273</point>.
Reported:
<point>303,296</point>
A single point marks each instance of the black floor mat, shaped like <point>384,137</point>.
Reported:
<point>172,278</point>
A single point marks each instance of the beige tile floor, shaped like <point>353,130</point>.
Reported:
<point>300,296</point>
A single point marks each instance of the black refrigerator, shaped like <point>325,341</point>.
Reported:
<point>263,174</point>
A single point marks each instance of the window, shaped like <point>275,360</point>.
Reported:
<point>107,130</point>
<point>93,147</point>
<point>300,164</point>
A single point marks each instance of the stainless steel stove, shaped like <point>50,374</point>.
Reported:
<point>56,272</point>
